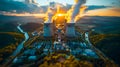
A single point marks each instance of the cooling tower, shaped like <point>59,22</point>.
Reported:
<point>48,30</point>
<point>70,29</point>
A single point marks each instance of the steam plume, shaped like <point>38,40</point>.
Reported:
<point>81,13</point>
<point>76,9</point>
<point>50,12</point>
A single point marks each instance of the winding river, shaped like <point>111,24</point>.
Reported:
<point>21,45</point>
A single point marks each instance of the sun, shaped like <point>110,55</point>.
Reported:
<point>60,14</point>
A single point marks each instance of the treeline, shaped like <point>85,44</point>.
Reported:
<point>60,60</point>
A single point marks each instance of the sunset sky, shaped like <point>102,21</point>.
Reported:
<point>19,7</point>
<point>104,12</point>
<point>89,2</point>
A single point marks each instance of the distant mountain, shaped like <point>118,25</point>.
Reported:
<point>24,19</point>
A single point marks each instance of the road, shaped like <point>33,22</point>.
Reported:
<point>98,52</point>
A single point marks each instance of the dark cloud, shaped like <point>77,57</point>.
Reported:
<point>20,7</point>
<point>10,5</point>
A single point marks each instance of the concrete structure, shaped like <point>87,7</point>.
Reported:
<point>48,30</point>
<point>70,29</point>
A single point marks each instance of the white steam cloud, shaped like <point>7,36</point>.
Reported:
<point>49,14</point>
<point>76,9</point>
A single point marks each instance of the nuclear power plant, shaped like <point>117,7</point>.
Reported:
<point>59,23</point>
<point>57,42</point>
<point>57,20</point>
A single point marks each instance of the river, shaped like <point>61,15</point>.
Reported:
<point>21,45</point>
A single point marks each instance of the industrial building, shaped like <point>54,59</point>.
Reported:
<point>59,22</point>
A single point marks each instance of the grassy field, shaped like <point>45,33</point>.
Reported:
<point>105,34</point>
<point>8,27</point>
<point>109,44</point>
<point>31,27</point>
<point>8,43</point>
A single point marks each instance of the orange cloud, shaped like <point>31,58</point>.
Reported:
<point>104,12</point>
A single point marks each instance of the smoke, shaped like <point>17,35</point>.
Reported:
<point>81,13</point>
<point>49,14</point>
<point>76,9</point>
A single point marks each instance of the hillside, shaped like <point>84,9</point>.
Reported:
<point>8,27</point>
<point>104,34</point>
<point>31,27</point>
<point>100,24</point>
<point>109,44</point>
